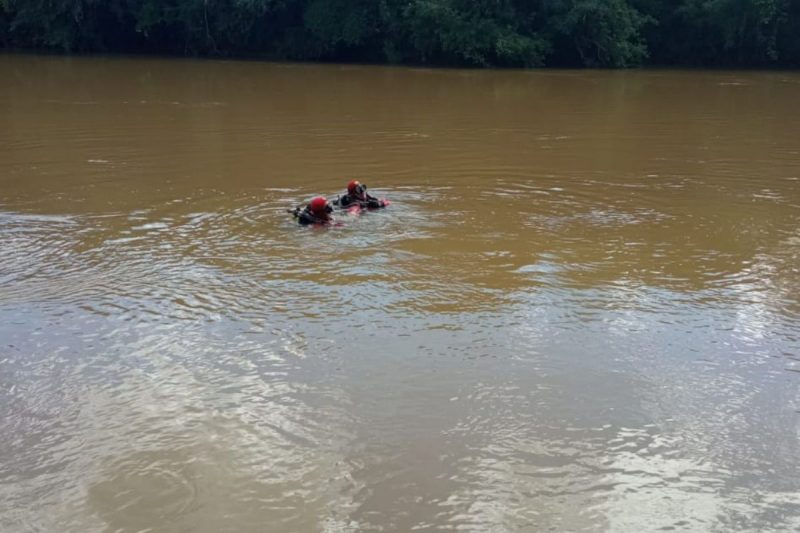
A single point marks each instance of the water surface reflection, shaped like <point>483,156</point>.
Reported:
<point>580,312</point>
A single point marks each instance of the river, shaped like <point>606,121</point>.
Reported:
<point>581,311</point>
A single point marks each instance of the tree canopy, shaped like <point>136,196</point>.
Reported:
<point>504,33</point>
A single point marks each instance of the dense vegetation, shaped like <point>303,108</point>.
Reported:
<point>605,33</point>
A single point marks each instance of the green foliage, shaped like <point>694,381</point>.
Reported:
<point>787,39</point>
<point>603,33</point>
<point>725,33</point>
<point>341,23</point>
<point>64,25</point>
<point>484,33</point>
<point>480,33</point>
<point>204,27</point>
<point>4,25</point>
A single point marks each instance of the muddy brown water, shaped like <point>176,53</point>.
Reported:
<point>581,311</point>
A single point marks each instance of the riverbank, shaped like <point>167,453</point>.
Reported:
<point>622,33</point>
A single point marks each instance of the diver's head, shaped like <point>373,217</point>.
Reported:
<point>357,190</point>
<point>320,207</point>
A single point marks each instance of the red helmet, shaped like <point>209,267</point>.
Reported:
<point>354,188</point>
<point>320,206</point>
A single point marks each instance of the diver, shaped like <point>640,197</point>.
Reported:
<point>357,195</point>
<point>319,211</point>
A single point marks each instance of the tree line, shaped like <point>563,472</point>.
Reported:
<point>491,33</point>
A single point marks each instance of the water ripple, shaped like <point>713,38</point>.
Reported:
<point>579,313</point>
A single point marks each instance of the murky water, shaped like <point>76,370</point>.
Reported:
<point>580,313</point>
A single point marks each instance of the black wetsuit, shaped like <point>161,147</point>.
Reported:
<point>348,201</point>
<point>306,217</point>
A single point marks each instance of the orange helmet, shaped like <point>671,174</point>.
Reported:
<point>320,206</point>
<point>354,188</point>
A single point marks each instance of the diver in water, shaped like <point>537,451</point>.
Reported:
<point>318,211</point>
<point>357,195</point>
